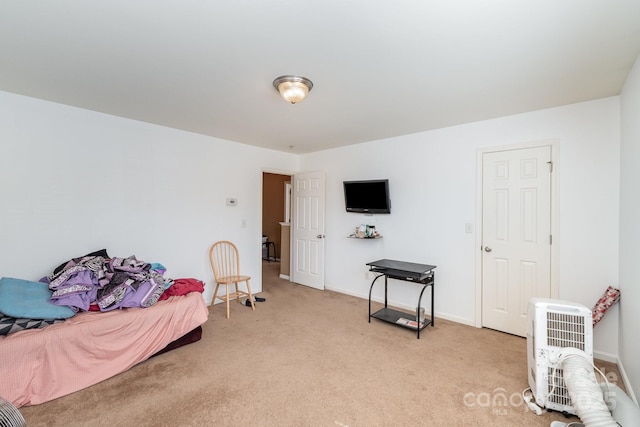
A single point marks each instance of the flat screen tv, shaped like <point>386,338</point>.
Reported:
<point>370,196</point>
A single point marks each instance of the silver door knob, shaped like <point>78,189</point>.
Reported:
<point>320,236</point>
<point>487,249</point>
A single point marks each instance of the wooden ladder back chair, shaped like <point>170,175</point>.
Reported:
<point>225,262</point>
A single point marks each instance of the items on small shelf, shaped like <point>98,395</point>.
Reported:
<point>364,231</point>
<point>412,324</point>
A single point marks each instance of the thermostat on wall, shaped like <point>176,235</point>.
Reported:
<point>231,201</point>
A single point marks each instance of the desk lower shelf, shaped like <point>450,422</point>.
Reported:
<point>400,318</point>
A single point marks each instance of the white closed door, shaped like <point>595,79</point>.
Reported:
<point>307,234</point>
<point>516,235</point>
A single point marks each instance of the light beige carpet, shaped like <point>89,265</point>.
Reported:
<point>310,358</point>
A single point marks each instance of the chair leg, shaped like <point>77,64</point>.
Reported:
<point>215,294</point>
<point>253,307</point>
<point>237,293</point>
<point>227,287</point>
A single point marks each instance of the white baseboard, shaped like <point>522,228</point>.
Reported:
<point>625,381</point>
<point>438,315</point>
<point>344,291</point>
<point>284,276</point>
<point>607,357</point>
<point>456,319</point>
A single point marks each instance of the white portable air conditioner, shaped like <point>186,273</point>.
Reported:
<point>552,326</point>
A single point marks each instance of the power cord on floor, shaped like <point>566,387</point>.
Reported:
<point>528,399</point>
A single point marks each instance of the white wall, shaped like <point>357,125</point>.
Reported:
<point>74,181</point>
<point>433,190</point>
<point>630,227</point>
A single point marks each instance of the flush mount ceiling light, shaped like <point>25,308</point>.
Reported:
<point>293,89</point>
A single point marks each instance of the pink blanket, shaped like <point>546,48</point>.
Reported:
<point>39,365</point>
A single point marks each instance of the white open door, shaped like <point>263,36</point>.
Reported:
<point>307,230</point>
<point>516,235</point>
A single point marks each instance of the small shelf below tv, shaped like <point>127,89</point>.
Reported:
<point>353,236</point>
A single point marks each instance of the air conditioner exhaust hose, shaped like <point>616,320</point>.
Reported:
<point>584,391</point>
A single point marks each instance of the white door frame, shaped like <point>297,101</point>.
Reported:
<point>554,144</point>
<point>276,172</point>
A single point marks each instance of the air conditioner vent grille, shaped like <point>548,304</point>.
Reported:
<point>554,325</point>
<point>557,389</point>
<point>565,330</point>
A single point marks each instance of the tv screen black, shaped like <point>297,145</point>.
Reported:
<point>367,196</point>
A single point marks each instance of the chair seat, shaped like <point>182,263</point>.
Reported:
<point>232,279</point>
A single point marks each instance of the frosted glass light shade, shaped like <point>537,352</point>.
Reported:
<point>293,89</point>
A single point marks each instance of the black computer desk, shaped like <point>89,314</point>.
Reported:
<point>421,274</point>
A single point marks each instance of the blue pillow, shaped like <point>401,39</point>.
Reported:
<point>24,299</point>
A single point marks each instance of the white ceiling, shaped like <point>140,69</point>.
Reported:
<point>379,68</point>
